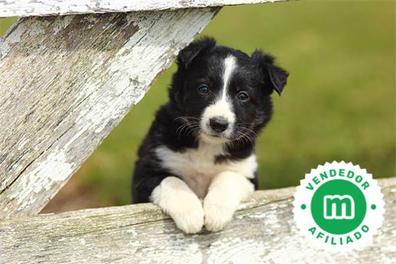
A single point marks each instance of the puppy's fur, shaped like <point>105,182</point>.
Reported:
<point>197,162</point>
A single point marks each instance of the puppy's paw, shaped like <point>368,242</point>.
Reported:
<point>190,221</point>
<point>216,216</point>
<point>188,216</point>
<point>179,202</point>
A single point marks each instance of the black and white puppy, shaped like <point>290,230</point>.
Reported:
<point>198,162</point>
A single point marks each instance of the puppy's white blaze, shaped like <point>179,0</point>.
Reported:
<point>229,67</point>
<point>222,106</point>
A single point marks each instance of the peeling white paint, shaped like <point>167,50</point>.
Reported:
<point>132,232</point>
<point>61,24</point>
<point>102,92</point>
<point>22,143</point>
<point>55,169</point>
<point>82,242</point>
<point>55,7</point>
<point>258,215</point>
<point>36,30</point>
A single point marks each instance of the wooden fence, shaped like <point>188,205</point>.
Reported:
<point>262,231</point>
<point>65,83</point>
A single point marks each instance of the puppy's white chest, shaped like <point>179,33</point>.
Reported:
<point>197,167</point>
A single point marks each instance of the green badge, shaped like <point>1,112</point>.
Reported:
<point>338,206</point>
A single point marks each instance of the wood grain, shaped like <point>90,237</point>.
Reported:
<point>65,82</point>
<point>11,8</point>
<point>263,231</point>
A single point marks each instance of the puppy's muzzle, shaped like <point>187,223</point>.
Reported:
<point>218,124</point>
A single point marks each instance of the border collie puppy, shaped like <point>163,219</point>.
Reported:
<point>197,162</point>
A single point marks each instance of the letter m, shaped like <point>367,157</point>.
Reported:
<point>338,207</point>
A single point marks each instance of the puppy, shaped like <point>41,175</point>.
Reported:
<point>197,162</point>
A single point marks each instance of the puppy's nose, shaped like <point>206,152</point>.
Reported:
<point>218,124</point>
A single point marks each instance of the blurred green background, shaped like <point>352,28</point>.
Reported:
<point>339,103</point>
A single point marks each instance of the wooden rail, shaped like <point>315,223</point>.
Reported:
<point>11,8</point>
<point>66,82</point>
<point>262,231</point>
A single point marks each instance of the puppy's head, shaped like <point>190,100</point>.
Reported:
<point>224,94</point>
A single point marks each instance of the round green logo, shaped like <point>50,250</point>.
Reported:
<point>338,206</point>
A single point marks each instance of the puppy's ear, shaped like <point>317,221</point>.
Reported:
<point>189,53</point>
<point>275,74</point>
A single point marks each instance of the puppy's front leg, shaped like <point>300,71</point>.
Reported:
<point>225,193</point>
<point>177,200</point>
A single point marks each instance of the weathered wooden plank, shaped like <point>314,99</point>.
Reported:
<point>65,82</point>
<point>11,8</point>
<point>263,231</point>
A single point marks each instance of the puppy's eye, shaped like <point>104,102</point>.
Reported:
<point>203,89</point>
<point>243,96</point>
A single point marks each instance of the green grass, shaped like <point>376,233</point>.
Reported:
<point>339,103</point>
<point>5,23</point>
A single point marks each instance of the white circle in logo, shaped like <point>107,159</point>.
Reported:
<point>338,206</point>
